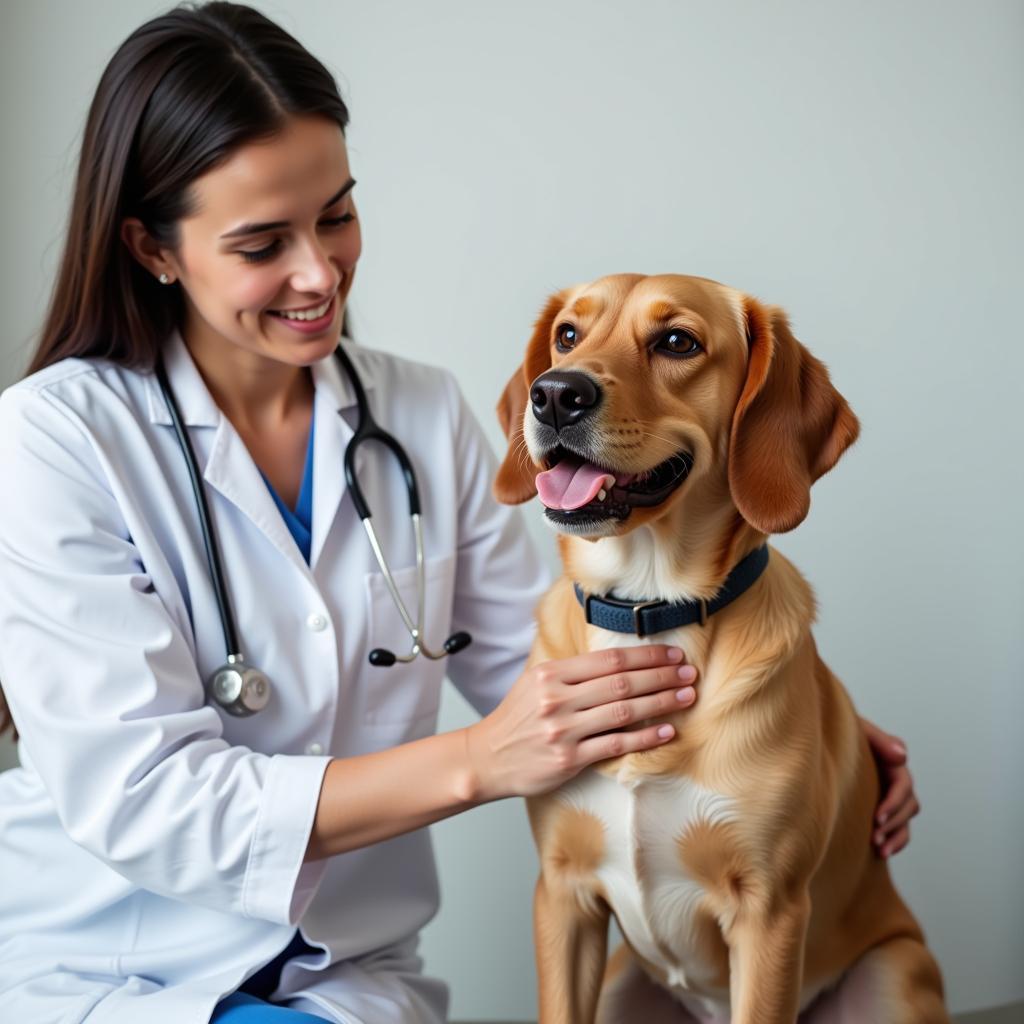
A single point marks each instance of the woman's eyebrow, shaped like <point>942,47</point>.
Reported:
<point>255,229</point>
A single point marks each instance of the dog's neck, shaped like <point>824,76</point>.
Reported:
<point>662,561</point>
<point>652,564</point>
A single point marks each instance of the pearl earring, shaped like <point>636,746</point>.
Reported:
<point>164,279</point>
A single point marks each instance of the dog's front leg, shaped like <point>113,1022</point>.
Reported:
<point>571,943</point>
<point>766,954</point>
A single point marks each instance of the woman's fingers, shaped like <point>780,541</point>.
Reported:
<point>607,691</point>
<point>899,796</point>
<point>891,750</point>
<point>613,744</point>
<point>896,842</point>
<point>898,804</point>
<point>596,664</point>
<point>623,714</point>
<point>896,822</point>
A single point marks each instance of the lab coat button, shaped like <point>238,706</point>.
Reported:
<point>314,748</point>
<point>317,623</point>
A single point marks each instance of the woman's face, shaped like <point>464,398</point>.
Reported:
<point>274,232</point>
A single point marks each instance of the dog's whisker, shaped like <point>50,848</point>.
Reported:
<point>522,453</point>
<point>657,437</point>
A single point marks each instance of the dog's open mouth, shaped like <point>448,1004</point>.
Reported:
<point>578,493</point>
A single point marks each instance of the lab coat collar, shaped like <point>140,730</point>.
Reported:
<point>195,402</point>
<point>198,408</point>
<point>330,380</point>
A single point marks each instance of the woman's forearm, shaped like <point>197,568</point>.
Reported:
<point>373,797</point>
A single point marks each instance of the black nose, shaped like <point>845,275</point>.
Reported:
<point>562,397</point>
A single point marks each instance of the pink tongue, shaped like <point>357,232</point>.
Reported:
<point>572,484</point>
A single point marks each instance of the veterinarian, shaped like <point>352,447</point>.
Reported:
<point>204,833</point>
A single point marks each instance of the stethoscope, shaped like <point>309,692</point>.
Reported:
<point>242,689</point>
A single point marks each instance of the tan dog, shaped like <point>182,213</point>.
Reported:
<point>677,423</point>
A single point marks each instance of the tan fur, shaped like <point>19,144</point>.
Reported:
<point>795,904</point>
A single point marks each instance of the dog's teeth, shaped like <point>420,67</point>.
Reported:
<point>602,494</point>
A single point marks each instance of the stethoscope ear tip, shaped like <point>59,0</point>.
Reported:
<point>381,658</point>
<point>456,642</point>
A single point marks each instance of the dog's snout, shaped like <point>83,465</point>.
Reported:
<point>562,397</point>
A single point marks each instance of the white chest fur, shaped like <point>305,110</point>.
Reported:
<point>642,872</point>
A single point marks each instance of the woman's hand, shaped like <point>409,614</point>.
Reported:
<point>561,716</point>
<point>899,803</point>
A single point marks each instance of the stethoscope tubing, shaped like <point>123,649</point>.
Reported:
<point>367,429</point>
<point>227,619</point>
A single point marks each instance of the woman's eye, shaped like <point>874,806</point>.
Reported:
<point>333,222</point>
<point>256,255</point>
<point>566,337</point>
<point>677,342</point>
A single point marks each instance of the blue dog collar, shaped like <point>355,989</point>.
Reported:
<point>645,618</point>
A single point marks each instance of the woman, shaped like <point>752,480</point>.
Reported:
<point>166,849</point>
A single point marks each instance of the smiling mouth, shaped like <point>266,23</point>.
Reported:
<point>578,493</point>
<point>307,313</point>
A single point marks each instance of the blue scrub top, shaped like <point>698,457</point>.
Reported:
<point>300,521</point>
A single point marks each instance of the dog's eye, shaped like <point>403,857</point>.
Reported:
<point>566,337</point>
<point>677,342</point>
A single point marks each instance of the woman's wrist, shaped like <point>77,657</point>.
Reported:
<point>374,797</point>
<point>480,785</point>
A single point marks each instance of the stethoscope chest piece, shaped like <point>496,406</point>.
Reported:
<point>239,689</point>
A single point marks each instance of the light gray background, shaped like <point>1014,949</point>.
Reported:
<point>859,164</point>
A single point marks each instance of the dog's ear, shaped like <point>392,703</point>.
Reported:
<point>790,425</point>
<point>514,481</point>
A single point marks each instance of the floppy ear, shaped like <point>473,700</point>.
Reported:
<point>790,425</point>
<point>514,481</point>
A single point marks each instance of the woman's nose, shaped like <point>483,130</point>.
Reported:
<point>314,271</point>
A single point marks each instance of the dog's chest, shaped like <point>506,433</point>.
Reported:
<point>646,821</point>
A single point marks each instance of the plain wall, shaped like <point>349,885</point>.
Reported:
<point>859,164</point>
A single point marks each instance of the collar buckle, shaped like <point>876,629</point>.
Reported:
<point>638,626</point>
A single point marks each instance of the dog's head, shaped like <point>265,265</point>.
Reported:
<point>636,392</point>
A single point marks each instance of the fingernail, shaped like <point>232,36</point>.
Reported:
<point>882,817</point>
<point>687,673</point>
<point>675,654</point>
<point>665,731</point>
<point>879,838</point>
<point>900,749</point>
<point>686,694</point>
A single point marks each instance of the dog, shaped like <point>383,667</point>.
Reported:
<point>671,424</point>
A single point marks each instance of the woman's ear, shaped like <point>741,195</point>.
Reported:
<point>789,427</point>
<point>145,249</point>
<point>514,481</point>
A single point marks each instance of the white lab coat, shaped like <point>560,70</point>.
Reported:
<point>151,845</point>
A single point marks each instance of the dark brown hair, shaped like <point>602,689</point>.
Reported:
<point>180,95</point>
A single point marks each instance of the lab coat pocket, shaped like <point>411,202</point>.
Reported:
<point>407,693</point>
